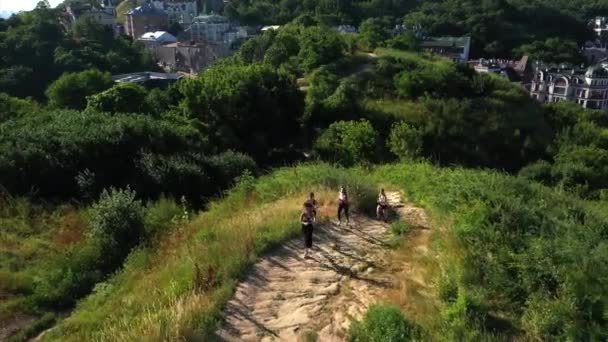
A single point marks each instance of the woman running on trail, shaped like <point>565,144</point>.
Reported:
<point>342,205</point>
<point>382,205</point>
<point>312,201</point>
<point>307,218</point>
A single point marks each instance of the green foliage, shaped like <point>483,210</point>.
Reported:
<point>405,141</point>
<point>404,41</point>
<point>38,49</point>
<point>382,323</point>
<point>319,46</point>
<point>160,217</point>
<point>373,32</point>
<point>121,98</point>
<point>12,107</point>
<point>348,142</point>
<point>226,167</point>
<point>552,50</point>
<point>579,152</point>
<point>57,147</point>
<point>117,222</point>
<point>71,89</point>
<point>400,227</point>
<point>534,255</point>
<point>239,104</point>
<point>499,27</point>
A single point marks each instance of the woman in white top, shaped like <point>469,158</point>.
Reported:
<point>342,205</point>
<point>382,205</point>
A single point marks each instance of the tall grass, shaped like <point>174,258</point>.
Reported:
<point>176,289</point>
<point>521,260</point>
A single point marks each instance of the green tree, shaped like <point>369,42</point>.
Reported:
<point>71,89</point>
<point>348,142</point>
<point>373,32</point>
<point>121,98</point>
<point>239,104</point>
<point>117,224</point>
<point>552,50</point>
<point>404,41</point>
<point>405,141</point>
<point>319,46</point>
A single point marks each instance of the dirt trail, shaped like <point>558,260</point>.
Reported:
<point>288,298</point>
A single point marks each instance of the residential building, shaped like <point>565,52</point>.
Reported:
<point>514,70</point>
<point>145,18</point>
<point>189,58</point>
<point>105,14</point>
<point>587,87</point>
<point>455,48</point>
<point>181,12</point>
<point>158,38</point>
<point>213,29</point>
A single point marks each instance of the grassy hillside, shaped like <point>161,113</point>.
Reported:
<point>123,7</point>
<point>174,290</point>
<point>517,258</point>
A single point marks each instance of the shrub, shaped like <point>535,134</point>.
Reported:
<point>226,167</point>
<point>122,98</point>
<point>400,227</point>
<point>348,142</point>
<point>62,150</point>
<point>117,224</point>
<point>12,107</point>
<point>382,324</point>
<point>405,141</point>
<point>160,216</point>
<point>539,171</point>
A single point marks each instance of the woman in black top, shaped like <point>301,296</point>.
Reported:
<point>307,219</point>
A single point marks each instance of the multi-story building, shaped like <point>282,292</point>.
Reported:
<point>181,12</point>
<point>145,18</point>
<point>105,14</point>
<point>455,48</point>
<point>588,88</point>
<point>189,58</point>
<point>214,29</point>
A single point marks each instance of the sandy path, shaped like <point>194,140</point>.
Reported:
<point>288,298</point>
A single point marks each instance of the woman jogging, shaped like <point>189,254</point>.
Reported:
<point>342,205</point>
<point>307,219</point>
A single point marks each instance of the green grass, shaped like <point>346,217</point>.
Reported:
<point>176,290</point>
<point>518,259</point>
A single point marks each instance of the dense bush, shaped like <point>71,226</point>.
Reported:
<point>348,143</point>
<point>71,89</point>
<point>579,152</point>
<point>12,107</point>
<point>405,141</point>
<point>116,223</point>
<point>57,148</point>
<point>524,256</point>
<point>380,324</point>
<point>122,98</point>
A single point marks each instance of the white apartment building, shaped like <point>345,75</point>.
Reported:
<point>588,88</point>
